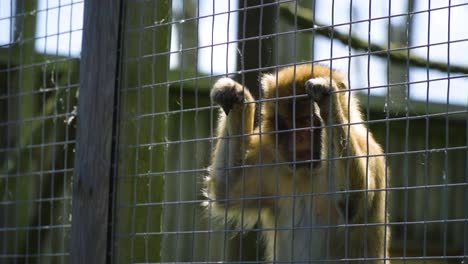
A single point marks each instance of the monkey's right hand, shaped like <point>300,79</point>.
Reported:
<point>227,93</point>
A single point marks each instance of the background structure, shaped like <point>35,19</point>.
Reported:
<point>123,184</point>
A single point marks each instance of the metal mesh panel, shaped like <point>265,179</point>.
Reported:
<point>283,176</point>
<point>38,94</point>
<point>399,58</point>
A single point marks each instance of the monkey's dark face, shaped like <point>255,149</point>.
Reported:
<point>299,132</point>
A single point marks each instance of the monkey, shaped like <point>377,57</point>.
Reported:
<point>310,174</point>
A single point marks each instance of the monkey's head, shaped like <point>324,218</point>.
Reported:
<point>289,113</point>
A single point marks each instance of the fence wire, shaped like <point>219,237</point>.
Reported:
<point>404,61</point>
<point>38,95</point>
<point>392,68</point>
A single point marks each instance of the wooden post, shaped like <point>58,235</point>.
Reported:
<point>91,180</point>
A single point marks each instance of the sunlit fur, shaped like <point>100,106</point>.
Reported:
<point>311,207</point>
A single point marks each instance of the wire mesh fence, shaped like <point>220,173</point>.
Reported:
<point>215,131</point>
<point>38,95</point>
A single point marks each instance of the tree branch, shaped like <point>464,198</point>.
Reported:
<point>303,16</point>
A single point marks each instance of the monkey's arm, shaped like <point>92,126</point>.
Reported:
<point>357,163</point>
<point>228,183</point>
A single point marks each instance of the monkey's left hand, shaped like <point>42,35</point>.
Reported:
<point>318,88</point>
